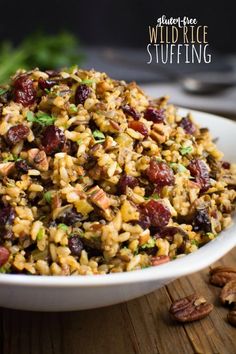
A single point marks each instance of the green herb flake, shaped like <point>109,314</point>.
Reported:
<point>150,244</point>
<point>73,108</point>
<point>186,150</point>
<point>48,91</point>
<point>194,242</point>
<point>2,91</point>
<point>154,196</point>
<point>181,168</point>
<point>79,142</point>
<point>40,234</point>
<point>63,227</point>
<point>3,270</point>
<point>98,135</point>
<point>210,235</point>
<point>40,118</point>
<point>87,82</point>
<point>48,197</point>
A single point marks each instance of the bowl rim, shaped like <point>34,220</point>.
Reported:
<point>182,266</point>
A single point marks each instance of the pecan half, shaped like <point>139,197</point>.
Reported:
<point>228,293</point>
<point>221,275</point>
<point>190,308</point>
<point>38,159</point>
<point>232,317</point>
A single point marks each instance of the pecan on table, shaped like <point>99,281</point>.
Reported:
<point>221,275</point>
<point>232,317</point>
<point>228,293</point>
<point>190,308</point>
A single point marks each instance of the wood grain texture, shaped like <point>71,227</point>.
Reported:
<point>140,326</point>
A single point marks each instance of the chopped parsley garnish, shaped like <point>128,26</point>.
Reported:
<point>40,234</point>
<point>194,242</point>
<point>2,91</point>
<point>150,244</point>
<point>178,166</point>
<point>3,270</point>
<point>87,82</point>
<point>210,235</point>
<point>186,150</point>
<point>99,136</point>
<point>153,196</point>
<point>41,118</point>
<point>12,158</point>
<point>48,197</point>
<point>79,142</point>
<point>63,227</point>
<point>73,108</point>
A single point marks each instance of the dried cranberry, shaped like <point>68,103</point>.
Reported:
<point>46,84</point>
<point>81,94</point>
<point>139,127</point>
<point>23,91</point>
<point>70,218</point>
<point>226,165</point>
<point>188,125</point>
<point>17,133</point>
<point>126,181</point>
<point>75,245</point>
<point>198,169</point>
<point>154,213</point>
<point>130,112</point>
<point>201,221</point>
<point>169,232</point>
<point>53,139</point>
<point>155,115</point>
<point>160,173</point>
<point>7,216</point>
<point>22,166</point>
<point>4,255</point>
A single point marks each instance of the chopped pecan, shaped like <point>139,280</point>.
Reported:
<point>221,275</point>
<point>99,197</point>
<point>6,168</point>
<point>232,317</point>
<point>159,260</point>
<point>190,308</point>
<point>228,293</point>
<point>38,159</point>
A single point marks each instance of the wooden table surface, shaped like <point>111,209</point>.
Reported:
<point>140,326</point>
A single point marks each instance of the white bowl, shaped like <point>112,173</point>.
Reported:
<point>60,293</point>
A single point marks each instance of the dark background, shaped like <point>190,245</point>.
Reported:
<point>115,23</point>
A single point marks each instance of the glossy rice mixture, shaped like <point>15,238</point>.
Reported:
<point>96,177</point>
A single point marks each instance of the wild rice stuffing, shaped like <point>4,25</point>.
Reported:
<point>96,177</point>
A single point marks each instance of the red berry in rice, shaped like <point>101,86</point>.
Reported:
<point>188,125</point>
<point>201,221</point>
<point>81,94</point>
<point>226,165</point>
<point>75,245</point>
<point>139,127</point>
<point>17,133</point>
<point>53,140</point>
<point>126,181</point>
<point>160,173</point>
<point>4,255</point>
<point>23,91</point>
<point>130,111</point>
<point>46,84</point>
<point>154,115</point>
<point>154,213</point>
<point>199,170</point>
